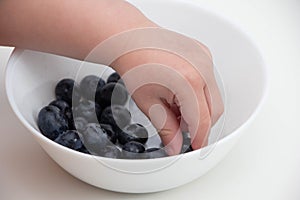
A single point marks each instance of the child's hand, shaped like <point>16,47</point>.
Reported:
<point>173,93</point>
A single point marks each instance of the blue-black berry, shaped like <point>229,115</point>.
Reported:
<point>112,94</point>
<point>133,150</point>
<point>70,139</point>
<point>90,86</point>
<point>83,150</point>
<point>80,124</point>
<point>94,138</point>
<point>52,122</point>
<point>61,104</point>
<point>117,116</point>
<point>88,110</point>
<point>68,91</point>
<point>66,110</point>
<point>155,153</point>
<point>111,152</point>
<point>112,135</point>
<point>133,132</point>
<point>186,145</point>
<point>115,78</point>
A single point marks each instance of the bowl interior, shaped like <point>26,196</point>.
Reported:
<point>32,76</point>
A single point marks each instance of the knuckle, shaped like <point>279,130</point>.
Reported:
<point>195,79</point>
<point>165,133</point>
<point>205,120</point>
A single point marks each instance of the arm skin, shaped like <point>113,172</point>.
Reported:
<point>73,28</point>
<point>66,27</point>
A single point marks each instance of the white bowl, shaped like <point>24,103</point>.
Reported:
<point>31,77</point>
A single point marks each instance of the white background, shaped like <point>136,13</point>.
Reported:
<point>265,164</point>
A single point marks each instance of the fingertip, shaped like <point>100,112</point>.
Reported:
<point>200,132</point>
<point>200,140</point>
<point>199,145</point>
<point>165,121</point>
<point>173,146</point>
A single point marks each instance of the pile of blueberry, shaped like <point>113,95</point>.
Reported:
<point>91,117</point>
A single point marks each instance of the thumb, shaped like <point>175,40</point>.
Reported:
<point>166,123</point>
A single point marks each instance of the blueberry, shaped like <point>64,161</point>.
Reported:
<point>66,110</point>
<point>117,116</point>
<point>67,90</point>
<point>61,104</point>
<point>186,145</point>
<point>52,122</point>
<point>156,153</point>
<point>111,152</point>
<point>133,132</point>
<point>152,149</point>
<point>186,148</point>
<point>69,116</point>
<point>133,150</point>
<point>69,139</point>
<point>88,110</point>
<point>134,147</point>
<point>80,124</point>
<point>83,150</point>
<point>90,85</point>
<point>115,78</point>
<point>94,138</point>
<point>112,135</point>
<point>186,137</point>
<point>112,94</point>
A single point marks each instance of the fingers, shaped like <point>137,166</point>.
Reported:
<point>204,48</point>
<point>202,133</point>
<point>212,92</point>
<point>166,123</point>
<point>199,120</point>
<point>214,102</point>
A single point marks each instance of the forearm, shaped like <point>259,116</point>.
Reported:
<point>66,27</point>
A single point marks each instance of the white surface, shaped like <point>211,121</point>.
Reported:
<point>264,165</point>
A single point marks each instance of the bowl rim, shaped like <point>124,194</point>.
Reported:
<point>17,52</point>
